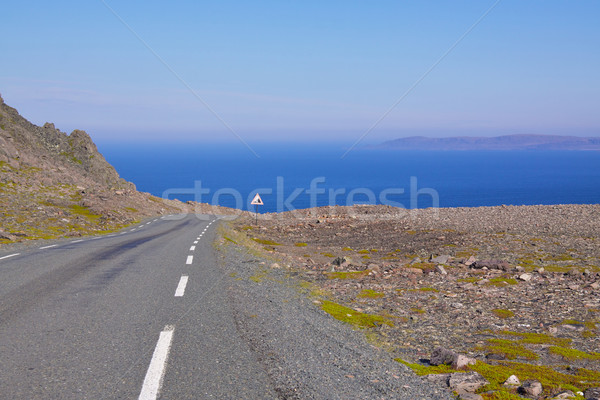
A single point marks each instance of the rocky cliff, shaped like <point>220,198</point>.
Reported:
<point>53,184</point>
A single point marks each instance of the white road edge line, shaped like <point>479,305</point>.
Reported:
<point>47,247</point>
<point>192,248</point>
<point>189,260</point>
<point>77,241</point>
<point>156,371</point>
<point>181,286</point>
<point>10,255</point>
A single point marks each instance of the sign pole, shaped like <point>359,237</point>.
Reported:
<point>256,201</point>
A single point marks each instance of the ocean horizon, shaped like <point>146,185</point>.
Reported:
<point>300,176</point>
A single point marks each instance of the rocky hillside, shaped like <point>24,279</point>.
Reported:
<point>54,185</point>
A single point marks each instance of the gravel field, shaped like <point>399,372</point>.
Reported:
<point>514,289</point>
<point>306,353</point>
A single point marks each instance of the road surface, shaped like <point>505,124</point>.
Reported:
<point>138,314</point>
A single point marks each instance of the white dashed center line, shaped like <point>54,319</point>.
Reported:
<point>192,248</point>
<point>181,287</point>
<point>47,247</point>
<point>195,242</point>
<point>189,260</point>
<point>77,241</point>
<point>10,255</point>
<point>156,370</point>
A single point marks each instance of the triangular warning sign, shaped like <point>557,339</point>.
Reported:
<point>257,200</point>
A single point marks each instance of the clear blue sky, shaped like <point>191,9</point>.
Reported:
<point>310,70</point>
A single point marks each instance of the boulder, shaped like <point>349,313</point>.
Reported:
<point>7,236</point>
<point>525,277</point>
<point>442,356</point>
<point>440,269</point>
<point>461,361</point>
<point>468,262</point>
<point>491,264</point>
<point>512,381</point>
<point>531,388</point>
<point>565,395</point>
<point>374,268</point>
<point>468,381</point>
<point>592,393</point>
<point>440,379</point>
<point>443,259</point>
<point>462,395</point>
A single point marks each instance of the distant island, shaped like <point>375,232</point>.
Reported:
<point>508,142</point>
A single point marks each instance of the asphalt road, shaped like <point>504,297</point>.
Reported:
<point>141,314</point>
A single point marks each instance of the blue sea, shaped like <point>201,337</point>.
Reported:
<point>293,176</point>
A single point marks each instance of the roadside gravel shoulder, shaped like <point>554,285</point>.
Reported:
<point>306,353</point>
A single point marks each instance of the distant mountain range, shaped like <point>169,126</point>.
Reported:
<point>508,142</point>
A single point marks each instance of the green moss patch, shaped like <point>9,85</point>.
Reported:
<point>229,239</point>
<point>353,317</point>
<point>557,268</point>
<point>71,156</point>
<point>537,338</point>
<point>472,279</point>
<point>347,274</point>
<point>266,242</point>
<point>502,281</point>
<point>83,211</point>
<point>502,313</point>
<point>370,294</point>
<point>422,265</point>
<point>510,349</point>
<point>502,394</point>
<point>421,369</point>
<point>300,244</point>
<point>573,354</point>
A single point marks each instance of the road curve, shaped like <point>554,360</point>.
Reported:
<point>138,314</point>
